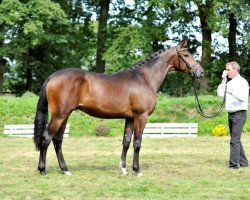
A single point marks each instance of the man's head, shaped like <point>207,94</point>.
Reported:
<point>233,69</point>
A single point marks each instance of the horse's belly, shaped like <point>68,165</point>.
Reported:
<point>116,103</point>
<point>106,110</point>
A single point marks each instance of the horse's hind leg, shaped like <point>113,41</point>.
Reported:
<point>47,135</point>
<point>128,131</point>
<point>46,139</point>
<point>57,141</point>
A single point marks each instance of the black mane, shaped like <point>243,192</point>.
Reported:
<point>150,60</point>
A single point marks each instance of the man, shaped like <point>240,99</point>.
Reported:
<point>237,93</point>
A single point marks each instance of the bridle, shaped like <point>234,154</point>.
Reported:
<point>192,69</point>
<point>198,106</point>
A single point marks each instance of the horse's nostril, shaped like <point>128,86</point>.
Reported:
<point>199,74</point>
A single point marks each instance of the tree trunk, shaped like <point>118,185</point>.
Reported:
<point>206,41</point>
<point>206,34</point>
<point>2,69</point>
<point>2,60</point>
<point>101,38</point>
<point>232,37</point>
<point>1,81</point>
<point>29,79</point>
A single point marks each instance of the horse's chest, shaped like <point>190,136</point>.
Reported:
<point>143,103</point>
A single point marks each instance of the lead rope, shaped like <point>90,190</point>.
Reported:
<point>198,106</point>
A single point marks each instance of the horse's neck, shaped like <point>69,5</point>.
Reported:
<point>155,75</point>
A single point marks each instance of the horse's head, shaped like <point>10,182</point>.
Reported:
<point>184,61</point>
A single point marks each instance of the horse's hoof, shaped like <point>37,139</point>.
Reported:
<point>124,171</point>
<point>43,173</point>
<point>139,174</point>
<point>67,173</point>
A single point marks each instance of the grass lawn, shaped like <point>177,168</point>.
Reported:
<point>173,168</point>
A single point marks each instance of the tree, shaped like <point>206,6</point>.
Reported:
<point>232,36</point>
<point>81,33</point>
<point>34,31</point>
<point>234,26</point>
<point>205,9</point>
<point>2,61</point>
<point>239,35</point>
<point>134,33</point>
<point>101,36</point>
<point>42,36</point>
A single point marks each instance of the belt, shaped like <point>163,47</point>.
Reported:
<point>235,112</point>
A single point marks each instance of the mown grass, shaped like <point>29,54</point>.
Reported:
<point>16,110</point>
<point>173,168</point>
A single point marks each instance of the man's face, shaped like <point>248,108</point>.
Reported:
<point>231,73</point>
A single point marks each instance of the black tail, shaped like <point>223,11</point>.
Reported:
<point>41,118</point>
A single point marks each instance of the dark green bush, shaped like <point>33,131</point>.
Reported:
<point>102,129</point>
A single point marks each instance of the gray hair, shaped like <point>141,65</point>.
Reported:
<point>234,65</point>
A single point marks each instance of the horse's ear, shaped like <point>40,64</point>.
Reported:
<point>183,43</point>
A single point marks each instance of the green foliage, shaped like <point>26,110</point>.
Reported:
<point>39,37</point>
<point>216,70</point>
<point>127,47</point>
<point>21,110</point>
<point>206,126</point>
<point>128,43</point>
<point>41,40</point>
<point>35,38</point>
<point>176,84</point>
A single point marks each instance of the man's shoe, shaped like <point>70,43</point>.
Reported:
<point>233,168</point>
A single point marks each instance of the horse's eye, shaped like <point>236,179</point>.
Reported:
<point>186,55</point>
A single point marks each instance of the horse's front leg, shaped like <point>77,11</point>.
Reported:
<point>139,125</point>
<point>128,131</point>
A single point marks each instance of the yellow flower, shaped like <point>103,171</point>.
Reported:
<point>220,130</point>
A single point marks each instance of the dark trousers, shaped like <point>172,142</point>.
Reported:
<point>236,123</point>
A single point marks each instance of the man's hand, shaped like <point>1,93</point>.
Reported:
<point>224,76</point>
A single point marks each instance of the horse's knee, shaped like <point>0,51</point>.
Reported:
<point>137,145</point>
<point>127,140</point>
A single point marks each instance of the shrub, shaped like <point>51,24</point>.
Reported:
<point>220,130</point>
<point>29,95</point>
<point>102,129</point>
<point>207,125</point>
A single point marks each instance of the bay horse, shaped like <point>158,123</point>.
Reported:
<point>128,94</point>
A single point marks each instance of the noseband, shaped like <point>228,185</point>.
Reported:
<point>192,68</point>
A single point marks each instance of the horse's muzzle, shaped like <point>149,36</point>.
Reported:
<point>199,72</point>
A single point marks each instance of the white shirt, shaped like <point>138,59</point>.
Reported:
<point>237,94</point>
